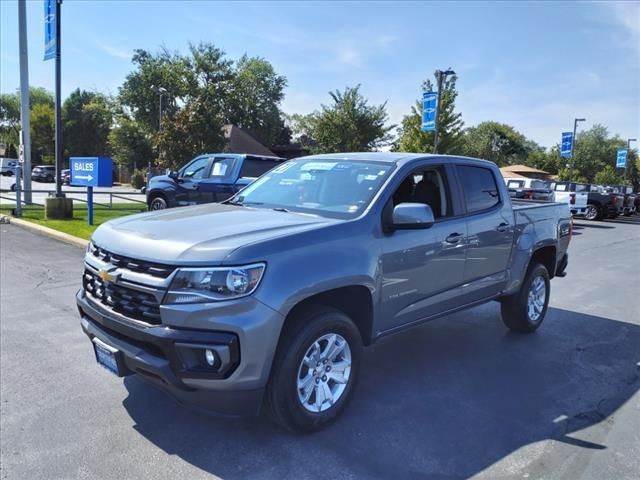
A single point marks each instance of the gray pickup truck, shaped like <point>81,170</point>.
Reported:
<point>266,300</point>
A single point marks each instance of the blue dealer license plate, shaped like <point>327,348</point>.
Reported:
<point>106,356</point>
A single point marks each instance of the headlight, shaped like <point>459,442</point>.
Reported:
<point>200,285</point>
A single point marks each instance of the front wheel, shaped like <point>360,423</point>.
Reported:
<point>525,311</point>
<point>158,203</point>
<point>315,371</point>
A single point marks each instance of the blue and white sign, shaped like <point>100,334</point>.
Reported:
<point>566,145</point>
<point>91,171</point>
<point>429,107</point>
<point>621,159</point>
<point>49,29</point>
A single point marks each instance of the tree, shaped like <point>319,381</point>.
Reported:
<point>349,124</point>
<point>130,144</point>
<point>86,122</point>
<point>594,150</point>
<point>608,176</point>
<point>497,142</point>
<point>10,116</point>
<point>42,133</point>
<point>411,138</point>
<point>254,99</point>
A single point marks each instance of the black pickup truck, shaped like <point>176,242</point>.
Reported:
<point>603,204</point>
<point>212,177</point>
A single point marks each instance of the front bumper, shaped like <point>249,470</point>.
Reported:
<point>153,353</point>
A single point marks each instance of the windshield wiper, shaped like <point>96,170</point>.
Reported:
<point>280,209</point>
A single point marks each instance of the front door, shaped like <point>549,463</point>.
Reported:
<point>220,183</point>
<point>421,269</point>
<point>189,180</point>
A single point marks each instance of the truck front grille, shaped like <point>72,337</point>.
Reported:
<point>154,269</point>
<point>127,301</point>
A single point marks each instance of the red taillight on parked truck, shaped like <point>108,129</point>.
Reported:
<point>572,198</point>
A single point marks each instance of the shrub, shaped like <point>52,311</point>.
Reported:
<point>138,179</point>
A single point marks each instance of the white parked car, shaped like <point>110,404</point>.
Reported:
<point>576,195</point>
<point>8,166</point>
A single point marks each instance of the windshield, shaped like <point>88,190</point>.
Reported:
<point>541,184</point>
<point>333,188</point>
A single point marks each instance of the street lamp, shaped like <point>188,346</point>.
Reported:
<point>161,91</point>
<point>573,145</point>
<point>441,77</point>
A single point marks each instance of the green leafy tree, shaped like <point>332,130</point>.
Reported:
<point>42,133</point>
<point>254,99</point>
<point>411,138</point>
<point>594,150</point>
<point>348,124</point>
<point>86,122</point>
<point>497,142</point>
<point>10,116</point>
<point>608,176</point>
<point>130,144</point>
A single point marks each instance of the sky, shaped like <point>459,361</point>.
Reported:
<point>533,65</point>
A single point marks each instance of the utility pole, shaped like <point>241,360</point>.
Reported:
<point>573,145</point>
<point>440,79</point>
<point>161,91</point>
<point>58,103</point>
<point>24,99</point>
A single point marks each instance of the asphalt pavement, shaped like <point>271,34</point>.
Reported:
<point>458,397</point>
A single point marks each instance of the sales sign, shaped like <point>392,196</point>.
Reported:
<point>91,171</point>
<point>429,107</point>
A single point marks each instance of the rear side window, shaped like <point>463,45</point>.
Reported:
<point>254,168</point>
<point>479,188</point>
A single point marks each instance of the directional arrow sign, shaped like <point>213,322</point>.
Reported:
<point>91,171</point>
<point>566,145</point>
<point>621,159</point>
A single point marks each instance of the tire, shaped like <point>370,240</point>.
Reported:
<point>158,203</point>
<point>523,314</point>
<point>49,179</point>
<point>284,399</point>
<point>593,213</point>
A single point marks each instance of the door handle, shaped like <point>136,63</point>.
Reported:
<point>503,227</point>
<point>454,238</point>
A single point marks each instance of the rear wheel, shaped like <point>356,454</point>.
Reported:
<point>49,178</point>
<point>157,203</point>
<point>315,371</point>
<point>593,213</point>
<point>525,311</point>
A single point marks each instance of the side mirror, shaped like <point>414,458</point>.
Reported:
<point>412,215</point>
<point>172,174</point>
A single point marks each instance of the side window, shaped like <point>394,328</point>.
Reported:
<point>428,186</point>
<point>254,168</point>
<point>479,188</point>
<point>196,169</point>
<point>222,167</point>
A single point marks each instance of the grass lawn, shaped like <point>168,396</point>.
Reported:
<point>78,226</point>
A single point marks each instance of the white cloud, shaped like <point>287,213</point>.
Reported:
<point>115,51</point>
<point>626,15</point>
<point>349,56</point>
<point>386,40</point>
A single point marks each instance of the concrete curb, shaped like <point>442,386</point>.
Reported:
<point>50,232</point>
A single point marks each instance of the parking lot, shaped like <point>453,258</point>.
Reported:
<point>455,398</point>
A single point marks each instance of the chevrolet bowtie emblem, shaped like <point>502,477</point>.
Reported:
<point>108,276</point>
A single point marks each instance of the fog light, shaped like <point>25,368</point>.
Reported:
<point>210,357</point>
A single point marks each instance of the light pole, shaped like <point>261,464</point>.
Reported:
<point>626,165</point>
<point>440,78</point>
<point>573,145</point>
<point>161,91</point>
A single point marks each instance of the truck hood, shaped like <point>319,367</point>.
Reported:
<point>199,235</point>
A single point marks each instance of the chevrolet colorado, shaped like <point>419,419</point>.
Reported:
<point>266,300</point>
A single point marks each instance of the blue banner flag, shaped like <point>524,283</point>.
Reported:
<point>49,29</point>
<point>429,104</point>
<point>621,159</point>
<point>566,145</point>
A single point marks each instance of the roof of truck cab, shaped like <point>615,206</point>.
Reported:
<point>388,157</point>
<point>243,155</point>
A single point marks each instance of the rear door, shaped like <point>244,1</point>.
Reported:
<point>490,230</point>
